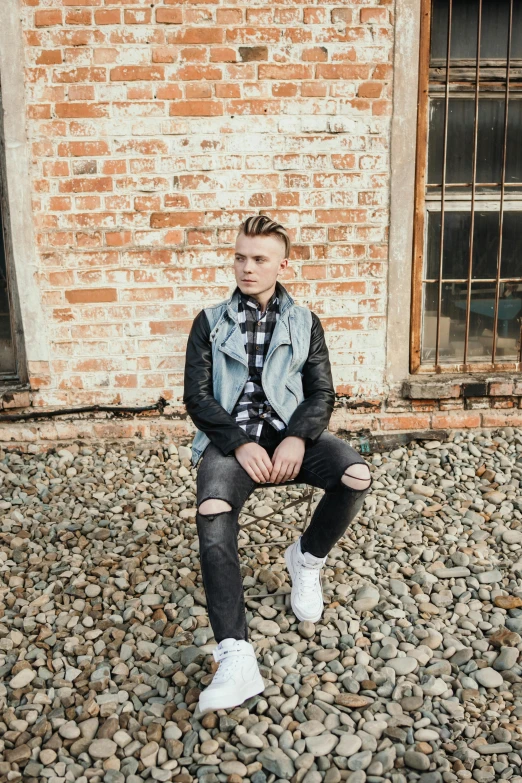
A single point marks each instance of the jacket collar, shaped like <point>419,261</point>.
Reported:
<point>285,300</point>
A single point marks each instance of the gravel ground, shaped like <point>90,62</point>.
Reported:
<point>413,674</point>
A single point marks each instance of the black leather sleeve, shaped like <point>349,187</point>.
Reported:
<point>206,413</point>
<point>311,416</point>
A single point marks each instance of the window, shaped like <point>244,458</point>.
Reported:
<point>467,274</point>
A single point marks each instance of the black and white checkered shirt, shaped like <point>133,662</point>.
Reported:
<point>253,412</point>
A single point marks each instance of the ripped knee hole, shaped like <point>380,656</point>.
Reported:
<point>357,477</point>
<point>214,506</point>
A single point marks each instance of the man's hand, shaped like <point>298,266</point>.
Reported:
<point>287,459</point>
<point>254,459</point>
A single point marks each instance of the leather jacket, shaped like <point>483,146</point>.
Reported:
<point>309,419</point>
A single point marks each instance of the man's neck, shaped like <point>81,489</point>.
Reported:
<point>263,298</point>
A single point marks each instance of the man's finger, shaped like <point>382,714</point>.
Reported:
<point>257,473</point>
<point>254,476</point>
<point>281,472</point>
<point>267,462</point>
<point>262,468</point>
<point>289,472</point>
<point>275,470</point>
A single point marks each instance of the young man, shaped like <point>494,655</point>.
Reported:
<point>258,386</point>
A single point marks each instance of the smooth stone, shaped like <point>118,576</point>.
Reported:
<point>275,760</point>
<point>496,747</point>
<point>366,599</point>
<point>506,659</point>
<point>452,573</point>
<point>312,728</point>
<point>348,745</point>
<point>322,744</point>
<point>489,678</point>
<point>403,666</point>
<point>23,678</point>
<point>268,628</point>
<point>102,748</point>
<point>360,760</point>
<point>416,760</point>
<point>489,577</point>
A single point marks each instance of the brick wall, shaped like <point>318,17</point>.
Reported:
<point>155,128</point>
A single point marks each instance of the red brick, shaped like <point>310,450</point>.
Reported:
<point>369,90</point>
<point>197,72</point>
<point>72,110</point>
<point>134,73</point>
<point>317,54</point>
<point>87,185</point>
<point>171,219</point>
<point>118,238</point>
<point>86,295</point>
<point>456,420</point>
<point>137,16</point>
<point>107,16</point>
<point>48,18</point>
<point>196,109</point>
<point>49,57</point>
<point>169,15</point>
<point>501,388</point>
<point>79,16</point>
<point>228,16</point>
<point>197,35</point>
<point>378,15</point>
<point>293,72</point>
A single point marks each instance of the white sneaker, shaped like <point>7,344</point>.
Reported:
<point>307,593</point>
<point>237,679</point>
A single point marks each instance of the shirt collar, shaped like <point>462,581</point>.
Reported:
<point>272,304</point>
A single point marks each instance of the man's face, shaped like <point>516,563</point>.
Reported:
<point>258,262</point>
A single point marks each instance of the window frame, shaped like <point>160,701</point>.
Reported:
<point>422,204</point>
<point>19,374</point>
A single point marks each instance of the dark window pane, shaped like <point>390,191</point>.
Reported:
<point>452,323</point>
<point>455,260</point>
<point>457,226</point>
<point>464,28</point>
<point>481,321</point>
<point>511,265</point>
<point>514,147</point>
<point>490,140</point>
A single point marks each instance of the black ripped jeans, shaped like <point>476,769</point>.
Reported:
<point>222,478</point>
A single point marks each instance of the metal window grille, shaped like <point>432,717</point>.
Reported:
<point>467,283</point>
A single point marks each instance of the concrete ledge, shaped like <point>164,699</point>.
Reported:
<point>377,429</point>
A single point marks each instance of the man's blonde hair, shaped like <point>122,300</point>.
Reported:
<point>262,225</point>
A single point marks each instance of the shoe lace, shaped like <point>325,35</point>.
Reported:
<point>228,661</point>
<point>309,575</point>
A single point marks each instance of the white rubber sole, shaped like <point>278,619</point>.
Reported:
<point>290,565</point>
<point>210,702</point>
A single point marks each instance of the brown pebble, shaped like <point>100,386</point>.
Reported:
<point>154,732</point>
<point>192,696</point>
<point>368,685</point>
<point>181,714</point>
<point>353,700</point>
<point>18,754</point>
<point>108,728</point>
<point>504,638</point>
<point>209,721</point>
<point>507,601</point>
<point>423,747</point>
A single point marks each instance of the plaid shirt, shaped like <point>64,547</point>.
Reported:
<point>253,412</point>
